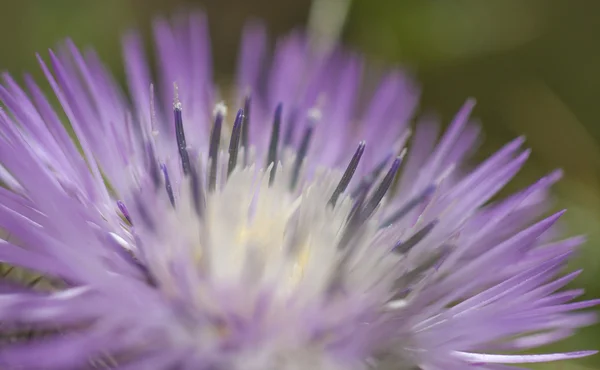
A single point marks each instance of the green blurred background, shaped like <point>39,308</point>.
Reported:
<point>533,65</point>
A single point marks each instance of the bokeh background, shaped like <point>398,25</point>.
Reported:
<point>533,65</point>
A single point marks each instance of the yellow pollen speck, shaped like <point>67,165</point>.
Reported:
<point>300,264</point>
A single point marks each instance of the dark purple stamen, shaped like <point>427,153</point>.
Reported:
<point>430,264</point>
<point>359,201</point>
<point>246,127</point>
<point>197,192</point>
<point>302,150</point>
<point>354,220</point>
<point>442,256</point>
<point>381,190</point>
<point>234,142</point>
<point>343,184</point>
<point>405,246</point>
<point>288,137</point>
<point>213,151</point>
<point>368,179</point>
<point>405,209</point>
<point>124,211</point>
<point>409,281</point>
<point>153,165</point>
<point>180,136</point>
<point>274,143</point>
<point>168,186</point>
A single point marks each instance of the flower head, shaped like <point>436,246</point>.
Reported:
<point>302,232</point>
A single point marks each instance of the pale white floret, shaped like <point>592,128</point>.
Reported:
<point>256,238</point>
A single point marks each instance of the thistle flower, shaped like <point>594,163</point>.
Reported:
<point>298,233</point>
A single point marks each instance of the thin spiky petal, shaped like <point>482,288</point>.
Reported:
<point>179,238</point>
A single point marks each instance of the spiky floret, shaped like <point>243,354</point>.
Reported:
<point>273,240</point>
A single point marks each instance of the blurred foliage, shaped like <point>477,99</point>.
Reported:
<point>533,65</point>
